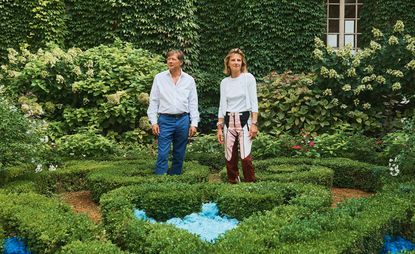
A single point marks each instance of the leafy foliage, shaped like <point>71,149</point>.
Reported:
<point>292,103</point>
<point>20,138</point>
<point>383,14</point>
<point>374,88</point>
<point>104,87</point>
<point>33,22</point>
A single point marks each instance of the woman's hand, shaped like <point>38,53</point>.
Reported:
<point>219,134</point>
<point>253,131</point>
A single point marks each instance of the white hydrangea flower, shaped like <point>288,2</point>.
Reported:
<point>374,45</point>
<point>393,40</point>
<point>351,72</point>
<point>327,92</point>
<point>318,54</point>
<point>411,65</point>
<point>366,106</point>
<point>60,79</point>
<point>396,86</point>
<point>377,33</point>
<point>318,42</point>
<point>399,27</point>
<point>39,168</point>
<point>380,79</point>
<point>347,88</point>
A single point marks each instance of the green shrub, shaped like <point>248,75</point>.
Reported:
<point>357,226</point>
<point>373,87</point>
<point>22,186</point>
<point>85,144</point>
<point>294,103</point>
<point>2,237</point>
<point>46,224</point>
<point>105,87</point>
<point>164,201</point>
<point>20,138</point>
<point>347,143</point>
<point>399,149</point>
<point>124,173</point>
<point>92,247</point>
<point>347,173</point>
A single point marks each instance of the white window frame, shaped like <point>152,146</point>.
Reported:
<point>342,22</point>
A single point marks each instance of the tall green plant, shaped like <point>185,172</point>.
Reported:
<point>374,87</point>
<point>291,103</point>
<point>104,87</point>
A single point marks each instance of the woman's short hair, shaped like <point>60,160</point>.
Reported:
<point>180,54</point>
<point>244,67</point>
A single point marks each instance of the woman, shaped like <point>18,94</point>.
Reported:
<point>238,114</point>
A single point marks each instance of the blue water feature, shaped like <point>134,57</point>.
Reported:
<point>394,245</point>
<point>15,245</point>
<point>207,224</point>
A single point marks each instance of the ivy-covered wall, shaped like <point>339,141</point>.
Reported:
<point>155,25</point>
<point>33,22</point>
<point>275,35</point>
<point>383,14</point>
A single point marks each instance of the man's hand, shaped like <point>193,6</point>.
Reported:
<point>192,131</point>
<point>253,131</point>
<point>156,129</point>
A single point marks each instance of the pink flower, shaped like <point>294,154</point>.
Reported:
<point>297,147</point>
<point>311,143</point>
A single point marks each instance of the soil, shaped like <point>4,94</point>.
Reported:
<point>81,201</point>
<point>340,194</point>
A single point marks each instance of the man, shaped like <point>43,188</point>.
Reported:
<point>174,98</point>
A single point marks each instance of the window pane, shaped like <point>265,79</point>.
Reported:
<point>332,40</point>
<point>334,1</point>
<point>334,11</point>
<point>358,26</point>
<point>359,8</point>
<point>333,26</point>
<point>350,1</point>
<point>350,11</point>
<point>349,26</point>
<point>349,39</point>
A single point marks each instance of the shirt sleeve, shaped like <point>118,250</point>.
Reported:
<point>222,101</point>
<point>253,94</point>
<point>193,106</point>
<point>154,103</point>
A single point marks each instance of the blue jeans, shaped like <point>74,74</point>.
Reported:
<point>172,129</point>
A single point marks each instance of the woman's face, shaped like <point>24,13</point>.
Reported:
<point>235,63</point>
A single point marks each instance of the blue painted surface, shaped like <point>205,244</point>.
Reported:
<point>397,244</point>
<point>15,245</point>
<point>207,224</point>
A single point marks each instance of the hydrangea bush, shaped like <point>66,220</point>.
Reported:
<point>105,87</point>
<point>374,86</point>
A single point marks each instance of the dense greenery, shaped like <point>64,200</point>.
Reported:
<point>34,22</point>
<point>21,139</point>
<point>383,14</point>
<point>104,88</point>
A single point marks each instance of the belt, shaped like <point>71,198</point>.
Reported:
<point>236,113</point>
<point>174,115</point>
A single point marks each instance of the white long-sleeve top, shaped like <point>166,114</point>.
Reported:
<point>169,98</point>
<point>238,94</point>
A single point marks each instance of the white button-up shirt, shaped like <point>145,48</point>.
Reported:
<point>169,98</point>
<point>238,94</point>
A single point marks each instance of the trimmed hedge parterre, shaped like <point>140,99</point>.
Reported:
<point>163,201</point>
<point>347,173</point>
<point>44,223</point>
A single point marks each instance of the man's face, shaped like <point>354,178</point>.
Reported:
<point>173,62</point>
